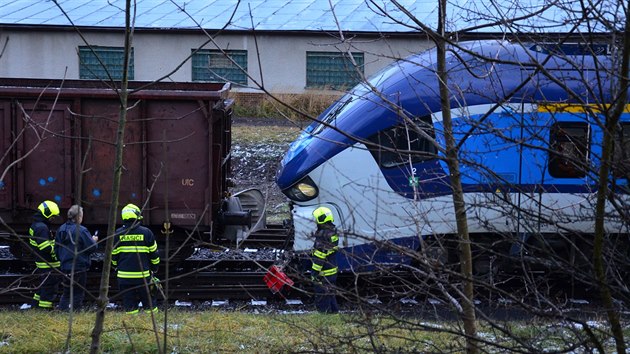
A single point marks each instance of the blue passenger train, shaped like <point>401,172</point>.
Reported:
<point>528,120</point>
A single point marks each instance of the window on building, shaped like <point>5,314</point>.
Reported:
<point>333,70</point>
<point>569,142</point>
<point>103,62</point>
<point>404,144</point>
<point>621,152</point>
<point>217,66</point>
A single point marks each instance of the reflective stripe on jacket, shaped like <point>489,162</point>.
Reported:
<point>135,252</point>
<point>324,255</point>
<point>43,244</point>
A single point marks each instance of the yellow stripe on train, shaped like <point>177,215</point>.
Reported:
<point>576,108</point>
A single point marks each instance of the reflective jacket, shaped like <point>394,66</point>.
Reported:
<point>43,243</point>
<point>135,252</point>
<point>68,241</point>
<point>324,255</point>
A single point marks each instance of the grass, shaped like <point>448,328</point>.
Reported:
<point>265,134</point>
<point>218,331</point>
<point>296,107</point>
<point>196,332</point>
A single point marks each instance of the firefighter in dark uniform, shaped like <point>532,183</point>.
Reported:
<point>136,259</point>
<point>324,261</point>
<point>43,243</point>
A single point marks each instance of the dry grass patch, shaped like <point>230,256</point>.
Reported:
<point>265,134</point>
<point>295,107</point>
<point>235,332</point>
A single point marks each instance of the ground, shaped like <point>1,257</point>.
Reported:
<point>258,145</point>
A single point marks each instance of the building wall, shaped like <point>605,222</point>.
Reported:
<point>53,54</point>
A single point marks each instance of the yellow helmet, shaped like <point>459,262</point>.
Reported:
<point>323,215</point>
<point>131,211</point>
<point>48,209</point>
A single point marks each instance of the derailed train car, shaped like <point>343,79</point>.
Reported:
<point>58,143</point>
<point>530,140</point>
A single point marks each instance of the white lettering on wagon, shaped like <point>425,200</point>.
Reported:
<point>183,216</point>
<point>188,182</point>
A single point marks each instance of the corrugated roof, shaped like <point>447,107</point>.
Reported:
<point>305,15</point>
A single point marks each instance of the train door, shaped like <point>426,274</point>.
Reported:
<point>556,154</point>
<point>531,166</point>
<point>559,192</point>
<point>491,165</point>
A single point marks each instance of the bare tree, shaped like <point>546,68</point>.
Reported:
<point>460,264</point>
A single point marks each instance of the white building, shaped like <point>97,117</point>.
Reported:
<point>285,45</point>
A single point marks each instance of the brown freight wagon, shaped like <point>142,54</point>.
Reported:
<point>58,144</point>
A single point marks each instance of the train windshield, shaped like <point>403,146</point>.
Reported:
<point>358,93</point>
<point>332,114</point>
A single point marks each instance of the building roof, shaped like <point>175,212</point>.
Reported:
<point>305,15</point>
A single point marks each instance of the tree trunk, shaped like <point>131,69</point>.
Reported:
<point>465,253</point>
<point>103,298</point>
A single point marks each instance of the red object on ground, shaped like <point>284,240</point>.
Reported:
<point>276,279</point>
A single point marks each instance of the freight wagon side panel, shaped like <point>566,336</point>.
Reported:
<point>179,136</point>
<point>44,151</point>
<point>99,126</point>
<point>5,156</point>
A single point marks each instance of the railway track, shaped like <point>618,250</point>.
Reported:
<point>210,274</point>
<point>223,274</point>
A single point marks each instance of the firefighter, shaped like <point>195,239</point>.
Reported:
<point>136,259</point>
<point>324,261</point>
<point>42,241</point>
<point>74,246</point>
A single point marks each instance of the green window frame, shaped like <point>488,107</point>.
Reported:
<point>109,65</point>
<point>213,65</point>
<point>333,70</point>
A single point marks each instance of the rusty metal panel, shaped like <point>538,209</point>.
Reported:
<point>98,125</point>
<point>44,150</point>
<point>175,151</point>
<point>5,154</point>
<point>178,134</point>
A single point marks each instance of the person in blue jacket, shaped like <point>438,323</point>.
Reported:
<point>73,246</point>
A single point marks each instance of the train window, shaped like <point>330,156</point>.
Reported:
<point>569,143</point>
<point>404,144</point>
<point>621,152</point>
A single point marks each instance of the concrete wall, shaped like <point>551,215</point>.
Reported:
<point>53,54</point>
